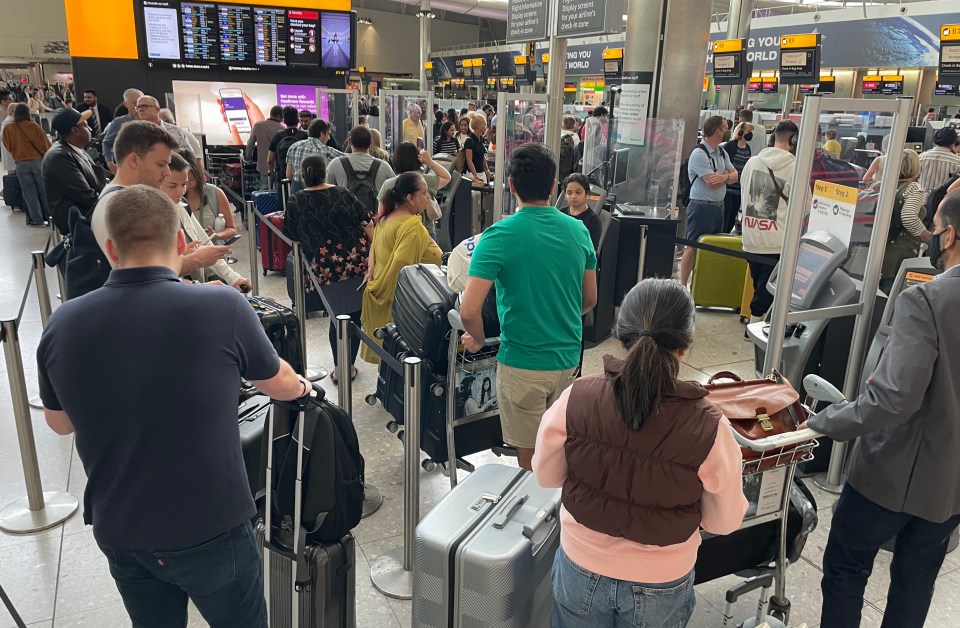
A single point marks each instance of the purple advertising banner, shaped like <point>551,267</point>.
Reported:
<point>299,96</point>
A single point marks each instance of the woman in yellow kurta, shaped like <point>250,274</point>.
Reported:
<point>399,240</point>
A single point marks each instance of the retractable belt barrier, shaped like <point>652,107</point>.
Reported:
<point>750,257</point>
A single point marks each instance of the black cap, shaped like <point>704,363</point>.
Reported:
<point>65,119</point>
<point>947,136</point>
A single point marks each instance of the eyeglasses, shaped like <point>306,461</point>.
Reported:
<point>145,107</point>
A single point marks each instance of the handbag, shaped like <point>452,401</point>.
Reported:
<point>433,211</point>
<point>758,408</point>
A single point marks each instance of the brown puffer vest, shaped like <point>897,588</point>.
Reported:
<point>642,486</point>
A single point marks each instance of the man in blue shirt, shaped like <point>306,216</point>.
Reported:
<point>544,267</point>
<point>710,171</point>
<point>147,371</point>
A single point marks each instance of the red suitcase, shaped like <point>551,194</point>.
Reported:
<point>273,250</point>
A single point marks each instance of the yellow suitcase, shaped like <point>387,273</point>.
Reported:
<point>747,298</point>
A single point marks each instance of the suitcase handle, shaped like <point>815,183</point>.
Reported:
<point>544,514</point>
<point>510,510</point>
<point>301,403</point>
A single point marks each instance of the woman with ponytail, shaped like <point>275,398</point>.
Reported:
<point>335,230</point>
<point>400,240</point>
<point>645,462</point>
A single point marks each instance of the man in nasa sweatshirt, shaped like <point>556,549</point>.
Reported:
<point>765,188</point>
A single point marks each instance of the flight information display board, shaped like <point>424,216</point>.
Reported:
<point>270,35</point>
<point>304,37</point>
<point>236,34</point>
<point>162,29</point>
<point>946,89</point>
<point>199,28</point>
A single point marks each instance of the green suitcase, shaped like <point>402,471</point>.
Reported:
<point>717,278</point>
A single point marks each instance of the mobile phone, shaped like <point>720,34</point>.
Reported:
<point>233,239</point>
<point>235,109</point>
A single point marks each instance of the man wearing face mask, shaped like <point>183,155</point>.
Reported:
<point>904,478</point>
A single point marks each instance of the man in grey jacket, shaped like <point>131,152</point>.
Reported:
<point>904,477</point>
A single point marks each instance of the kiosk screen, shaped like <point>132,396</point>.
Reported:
<point>811,261</point>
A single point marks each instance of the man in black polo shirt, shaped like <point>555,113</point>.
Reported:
<point>146,369</point>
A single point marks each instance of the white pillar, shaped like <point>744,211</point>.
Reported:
<point>424,44</point>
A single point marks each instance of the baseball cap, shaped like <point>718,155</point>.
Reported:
<point>65,119</point>
<point>947,136</point>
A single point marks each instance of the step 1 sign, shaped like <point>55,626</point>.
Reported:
<point>832,209</point>
<point>526,21</point>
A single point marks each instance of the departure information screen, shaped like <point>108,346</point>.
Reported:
<point>199,27</point>
<point>236,34</point>
<point>270,31</point>
<point>304,27</point>
<point>162,30</point>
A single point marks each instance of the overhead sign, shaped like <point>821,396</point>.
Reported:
<point>526,21</point>
<point>827,85</point>
<point>613,64</point>
<point>950,50</point>
<point>888,85</point>
<point>579,18</point>
<point>799,58</point>
<point>729,61</point>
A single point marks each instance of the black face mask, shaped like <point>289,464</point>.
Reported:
<point>748,136</point>
<point>936,253</point>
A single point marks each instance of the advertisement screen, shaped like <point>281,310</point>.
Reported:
<point>871,87</point>
<point>754,87</point>
<point>160,21</point>
<point>335,42</point>
<point>199,25</point>
<point>227,112</point>
<point>304,29</point>
<point>770,87</point>
<point>890,88</point>
<point>236,34</point>
<point>945,89</point>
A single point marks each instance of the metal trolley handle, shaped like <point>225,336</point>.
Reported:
<point>457,324</point>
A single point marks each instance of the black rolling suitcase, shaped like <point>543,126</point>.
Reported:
<point>252,419</point>
<point>282,328</point>
<point>420,307</point>
<point>12,194</point>
<point>314,499</point>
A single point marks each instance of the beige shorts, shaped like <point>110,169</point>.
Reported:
<point>524,396</point>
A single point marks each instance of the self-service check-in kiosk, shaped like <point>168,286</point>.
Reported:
<point>819,283</point>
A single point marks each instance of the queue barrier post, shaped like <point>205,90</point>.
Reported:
<point>392,573</point>
<point>252,248</point>
<point>56,239</point>
<point>38,510</point>
<point>43,299</point>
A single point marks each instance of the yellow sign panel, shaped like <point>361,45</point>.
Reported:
<point>521,60</point>
<point>613,53</point>
<point>950,32</point>
<point>893,77</point>
<point>873,79</point>
<point>706,83</point>
<point>545,57</point>
<point>428,65</point>
<point>788,42</point>
<point>915,277</point>
<point>728,45</point>
<point>834,192</point>
<point>825,78</point>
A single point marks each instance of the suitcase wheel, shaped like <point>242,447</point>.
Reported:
<point>428,465</point>
<point>379,333</point>
<point>392,427</point>
<point>264,272</point>
<point>400,435</point>
<point>437,390</point>
<point>371,399</point>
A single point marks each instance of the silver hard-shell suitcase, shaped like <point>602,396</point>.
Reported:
<point>483,555</point>
<point>329,600</point>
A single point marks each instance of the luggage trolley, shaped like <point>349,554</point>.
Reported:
<point>464,371</point>
<point>768,483</point>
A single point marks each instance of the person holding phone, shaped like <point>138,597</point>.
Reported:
<point>202,260</point>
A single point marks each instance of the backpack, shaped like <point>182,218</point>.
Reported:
<point>686,183</point>
<point>568,152</point>
<point>363,185</point>
<point>332,471</point>
<point>283,147</point>
<point>896,222</point>
<point>83,263</point>
<point>935,198</point>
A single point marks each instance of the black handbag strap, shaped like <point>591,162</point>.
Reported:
<point>777,187</point>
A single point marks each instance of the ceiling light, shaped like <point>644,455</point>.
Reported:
<point>428,14</point>
<point>364,20</point>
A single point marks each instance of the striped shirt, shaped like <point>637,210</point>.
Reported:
<point>936,166</point>
<point>910,211</point>
<point>309,147</point>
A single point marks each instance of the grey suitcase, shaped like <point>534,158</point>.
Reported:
<point>329,600</point>
<point>483,555</point>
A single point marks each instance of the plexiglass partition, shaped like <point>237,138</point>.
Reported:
<point>521,119</point>
<point>186,111</point>
<point>339,108</point>
<point>406,116</point>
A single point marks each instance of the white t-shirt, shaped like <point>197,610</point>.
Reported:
<point>458,263</point>
<point>98,222</point>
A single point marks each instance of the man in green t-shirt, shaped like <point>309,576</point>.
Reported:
<point>544,266</point>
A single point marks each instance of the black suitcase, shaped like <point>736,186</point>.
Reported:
<point>328,597</point>
<point>12,194</point>
<point>282,328</point>
<point>252,418</point>
<point>470,438</point>
<point>420,307</point>
<point>311,299</point>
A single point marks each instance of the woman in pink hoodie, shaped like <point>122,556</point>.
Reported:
<point>645,462</point>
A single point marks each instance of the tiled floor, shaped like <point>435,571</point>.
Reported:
<point>59,577</point>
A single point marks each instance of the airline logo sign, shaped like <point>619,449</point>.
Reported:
<point>950,51</point>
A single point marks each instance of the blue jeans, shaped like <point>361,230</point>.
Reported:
<point>34,193</point>
<point>222,576</point>
<point>583,599</point>
<point>858,529</point>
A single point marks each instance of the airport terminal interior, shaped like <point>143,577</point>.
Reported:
<point>840,89</point>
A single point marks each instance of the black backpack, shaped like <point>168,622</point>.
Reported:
<point>363,185</point>
<point>82,262</point>
<point>686,183</point>
<point>283,147</point>
<point>332,472</point>
<point>935,198</point>
<point>568,156</point>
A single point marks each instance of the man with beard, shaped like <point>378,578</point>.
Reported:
<point>70,176</point>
